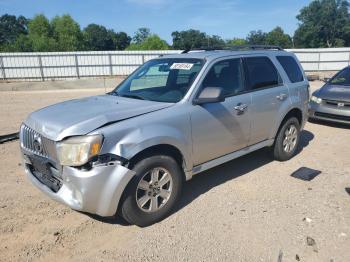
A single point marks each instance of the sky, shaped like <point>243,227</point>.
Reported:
<point>226,18</point>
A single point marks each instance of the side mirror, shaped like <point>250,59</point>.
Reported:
<point>209,95</point>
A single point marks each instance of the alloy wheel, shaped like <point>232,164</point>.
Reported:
<point>290,138</point>
<point>154,189</point>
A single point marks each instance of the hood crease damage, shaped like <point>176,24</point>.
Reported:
<point>82,116</point>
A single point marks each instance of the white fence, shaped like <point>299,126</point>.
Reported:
<point>70,65</point>
<point>323,59</point>
<point>67,65</point>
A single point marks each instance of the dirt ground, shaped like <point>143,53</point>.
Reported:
<point>249,209</point>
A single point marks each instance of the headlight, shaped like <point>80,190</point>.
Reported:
<point>77,151</point>
<point>316,99</point>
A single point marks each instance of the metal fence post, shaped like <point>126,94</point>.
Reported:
<point>143,59</point>
<point>77,65</point>
<point>319,61</point>
<point>2,68</point>
<point>41,68</point>
<point>110,64</point>
<point>349,59</point>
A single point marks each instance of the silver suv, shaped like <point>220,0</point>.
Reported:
<point>178,115</point>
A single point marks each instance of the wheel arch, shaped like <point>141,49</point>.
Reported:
<point>161,149</point>
<point>294,112</point>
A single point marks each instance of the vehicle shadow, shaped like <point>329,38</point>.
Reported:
<point>204,182</point>
<point>330,124</point>
<point>115,220</point>
<point>305,138</point>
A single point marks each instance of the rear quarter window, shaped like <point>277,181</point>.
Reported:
<point>291,68</point>
<point>261,73</point>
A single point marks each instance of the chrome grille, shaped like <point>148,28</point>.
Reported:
<point>335,103</point>
<point>30,140</point>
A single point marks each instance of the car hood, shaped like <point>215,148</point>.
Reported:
<point>334,92</point>
<point>81,116</point>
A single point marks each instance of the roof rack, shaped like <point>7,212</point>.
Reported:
<point>257,47</point>
<point>202,49</point>
<point>236,48</point>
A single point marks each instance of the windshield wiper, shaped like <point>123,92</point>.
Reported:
<point>113,93</point>
<point>132,96</point>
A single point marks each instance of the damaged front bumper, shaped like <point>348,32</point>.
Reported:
<point>97,190</point>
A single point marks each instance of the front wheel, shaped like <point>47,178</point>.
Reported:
<point>152,193</point>
<point>287,140</point>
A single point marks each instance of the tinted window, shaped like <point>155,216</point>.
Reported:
<point>261,72</point>
<point>226,74</point>
<point>291,67</point>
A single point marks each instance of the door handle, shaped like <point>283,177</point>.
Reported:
<point>240,108</point>
<point>282,97</point>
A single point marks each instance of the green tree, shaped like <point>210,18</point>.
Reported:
<point>121,40</point>
<point>189,39</point>
<point>279,38</point>
<point>323,23</point>
<point>39,25</point>
<point>22,44</point>
<point>97,38</point>
<point>140,35</point>
<point>236,42</point>
<point>40,35</point>
<point>11,27</point>
<point>61,34</point>
<point>215,41</point>
<point>152,42</point>
<point>67,33</point>
<point>257,38</point>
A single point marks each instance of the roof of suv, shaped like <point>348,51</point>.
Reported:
<point>211,55</point>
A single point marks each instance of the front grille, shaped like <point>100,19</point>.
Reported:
<point>37,144</point>
<point>335,103</point>
<point>332,116</point>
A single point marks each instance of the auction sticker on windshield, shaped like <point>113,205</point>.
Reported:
<point>182,66</point>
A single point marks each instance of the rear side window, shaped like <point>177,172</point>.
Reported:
<point>291,67</point>
<point>261,73</point>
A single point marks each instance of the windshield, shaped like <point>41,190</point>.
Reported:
<point>342,78</point>
<point>162,80</point>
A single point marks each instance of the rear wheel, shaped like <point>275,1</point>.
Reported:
<point>152,193</point>
<point>287,140</point>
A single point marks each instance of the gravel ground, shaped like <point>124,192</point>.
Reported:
<point>249,209</point>
<point>16,105</point>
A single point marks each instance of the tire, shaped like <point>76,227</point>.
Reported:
<point>281,150</point>
<point>134,207</point>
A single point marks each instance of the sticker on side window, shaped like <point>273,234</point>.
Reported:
<point>182,66</point>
